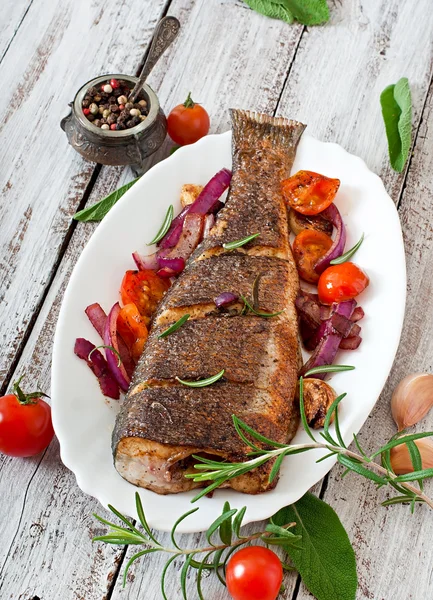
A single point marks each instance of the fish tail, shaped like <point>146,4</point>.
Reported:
<point>254,130</point>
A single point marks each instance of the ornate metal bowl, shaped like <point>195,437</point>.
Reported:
<point>127,147</point>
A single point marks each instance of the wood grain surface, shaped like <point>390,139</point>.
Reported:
<point>330,77</point>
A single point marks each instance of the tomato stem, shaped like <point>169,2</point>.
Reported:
<point>189,102</point>
<point>24,398</point>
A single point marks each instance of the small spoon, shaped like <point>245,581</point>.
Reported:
<point>165,32</point>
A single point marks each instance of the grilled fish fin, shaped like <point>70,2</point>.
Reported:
<point>253,130</point>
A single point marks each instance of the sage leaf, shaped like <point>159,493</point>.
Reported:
<point>396,103</point>
<point>307,12</point>
<point>97,211</point>
<point>272,9</point>
<point>324,557</point>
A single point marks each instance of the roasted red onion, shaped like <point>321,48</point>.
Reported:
<point>167,273</point>
<point>358,314</point>
<point>351,343</point>
<point>98,318</point>
<point>225,298</point>
<point>328,339</point>
<point>332,214</point>
<point>111,339</point>
<point>175,265</point>
<point>145,262</point>
<point>206,202</point>
<point>99,366</point>
<point>209,222</point>
<point>189,239</point>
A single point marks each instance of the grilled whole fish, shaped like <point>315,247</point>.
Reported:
<point>162,423</point>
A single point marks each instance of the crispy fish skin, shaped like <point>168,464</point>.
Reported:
<point>162,423</point>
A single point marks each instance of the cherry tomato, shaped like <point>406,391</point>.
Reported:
<point>133,330</point>
<point>308,247</point>
<point>309,193</point>
<point>187,122</point>
<point>254,573</point>
<point>25,423</point>
<point>144,289</point>
<point>341,282</point>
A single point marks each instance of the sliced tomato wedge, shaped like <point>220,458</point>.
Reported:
<point>309,193</point>
<point>132,328</point>
<point>308,247</point>
<point>144,289</point>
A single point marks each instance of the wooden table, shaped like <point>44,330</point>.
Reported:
<point>329,77</point>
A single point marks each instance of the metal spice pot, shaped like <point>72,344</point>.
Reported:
<point>127,147</point>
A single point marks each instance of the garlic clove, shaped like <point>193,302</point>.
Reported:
<point>412,399</point>
<point>400,457</point>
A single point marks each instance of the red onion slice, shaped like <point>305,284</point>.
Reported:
<point>98,318</point>
<point>206,202</point>
<point>209,222</point>
<point>175,265</point>
<point>358,314</point>
<point>332,214</point>
<point>166,272</point>
<point>189,239</point>
<point>351,343</point>
<point>145,262</point>
<point>111,339</point>
<point>99,367</point>
<point>225,298</point>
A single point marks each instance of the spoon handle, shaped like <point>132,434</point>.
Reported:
<point>165,32</point>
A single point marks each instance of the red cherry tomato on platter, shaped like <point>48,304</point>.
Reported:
<point>309,193</point>
<point>187,122</point>
<point>341,282</point>
<point>25,423</point>
<point>254,573</point>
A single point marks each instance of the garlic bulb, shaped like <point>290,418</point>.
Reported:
<point>412,399</point>
<point>400,457</point>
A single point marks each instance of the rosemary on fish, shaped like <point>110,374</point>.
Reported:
<point>202,382</point>
<point>217,473</point>
<point>347,255</point>
<point>174,327</point>
<point>238,243</point>
<point>164,227</point>
<point>250,307</point>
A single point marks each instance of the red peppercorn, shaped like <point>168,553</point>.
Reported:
<point>121,106</point>
<point>86,111</point>
<point>114,84</point>
<point>113,126</point>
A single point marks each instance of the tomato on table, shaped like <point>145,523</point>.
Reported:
<point>308,247</point>
<point>309,193</point>
<point>187,122</point>
<point>341,282</point>
<point>144,289</point>
<point>254,573</point>
<point>132,329</point>
<point>25,423</point>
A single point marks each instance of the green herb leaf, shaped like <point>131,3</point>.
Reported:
<point>274,10</point>
<point>308,12</point>
<point>239,243</point>
<point>180,519</point>
<point>325,557</point>
<point>202,382</point>
<point>259,312</point>
<point>97,211</point>
<point>227,515</point>
<point>302,410</point>
<point>174,327</point>
<point>328,369</point>
<point>237,521</point>
<point>396,102</point>
<point>355,466</point>
<point>225,529</point>
<point>164,227</point>
<point>344,257</point>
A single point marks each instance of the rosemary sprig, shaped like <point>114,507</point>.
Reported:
<point>238,243</point>
<point>164,227</point>
<point>174,327</point>
<point>202,382</point>
<point>382,474</point>
<point>347,255</point>
<point>328,369</point>
<point>260,313</point>
<point>212,557</point>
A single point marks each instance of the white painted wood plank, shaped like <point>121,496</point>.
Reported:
<point>341,69</point>
<point>277,43</point>
<point>11,17</point>
<point>58,47</point>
